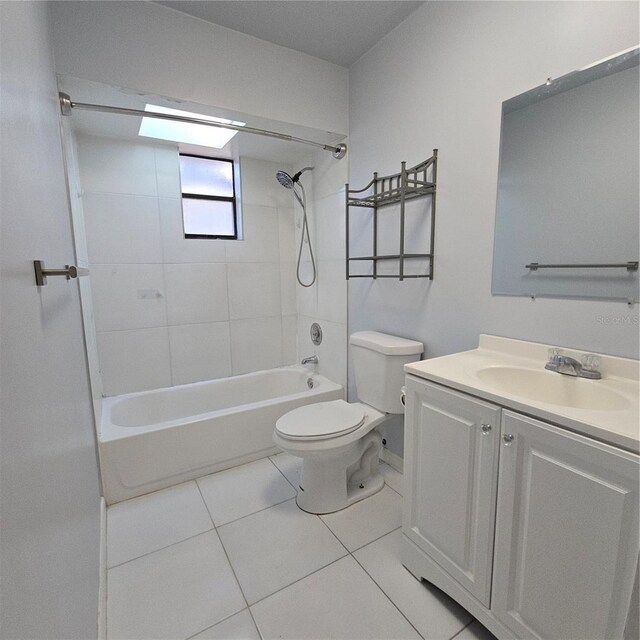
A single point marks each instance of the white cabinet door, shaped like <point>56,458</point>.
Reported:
<point>451,457</point>
<point>567,533</point>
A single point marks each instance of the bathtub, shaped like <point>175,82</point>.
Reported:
<point>155,439</point>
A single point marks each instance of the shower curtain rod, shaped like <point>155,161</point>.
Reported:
<point>67,105</point>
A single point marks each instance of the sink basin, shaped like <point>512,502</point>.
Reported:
<point>553,388</point>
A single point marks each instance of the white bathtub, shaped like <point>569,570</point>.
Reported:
<point>154,439</point>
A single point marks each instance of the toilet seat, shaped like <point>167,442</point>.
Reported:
<point>321,421</point>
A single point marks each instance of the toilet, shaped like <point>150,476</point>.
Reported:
<point>340,442</point>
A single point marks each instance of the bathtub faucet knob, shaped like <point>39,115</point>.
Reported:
<point>310,360</point>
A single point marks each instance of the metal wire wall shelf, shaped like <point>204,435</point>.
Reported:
<point>394,189</point>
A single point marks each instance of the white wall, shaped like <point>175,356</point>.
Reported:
<point>49,478</point>
<point>446,71</point>
<point>147,47</point>
<point>170,310</point>
<point>326,301</point>
<point>466,58</point>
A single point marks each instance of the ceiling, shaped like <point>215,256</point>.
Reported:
<point>334,30</point>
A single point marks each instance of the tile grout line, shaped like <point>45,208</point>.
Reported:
<point>457,633</point>
<point>386,595</point>
<point>219,622</point>
<point>282,473</point>
<point>254,512</point>
<point>299,580</point>
<point>167,546</point>
<point>244,597</point>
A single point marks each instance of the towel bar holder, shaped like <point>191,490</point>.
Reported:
<point>69,271</point>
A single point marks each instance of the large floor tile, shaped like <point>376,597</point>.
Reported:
<point>367,520</point>
<point>238,627</point>
<point>172,593</point>
<point>275,547</point>
<point>339,601</point>
<point>392,477</point>
<point>290,467</point>
<point>429,610</point>
<point>238,492</point>
<point>148,523</point>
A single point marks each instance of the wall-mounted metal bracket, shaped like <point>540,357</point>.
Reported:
<point>69,271</point>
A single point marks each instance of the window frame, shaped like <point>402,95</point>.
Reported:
<point>200,196</point>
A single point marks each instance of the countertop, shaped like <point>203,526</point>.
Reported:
<point>616,426</point>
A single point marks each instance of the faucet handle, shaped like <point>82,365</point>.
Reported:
<point>554,354</point>
<point>591,361</point>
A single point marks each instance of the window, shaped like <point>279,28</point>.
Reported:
<point>208,197</point>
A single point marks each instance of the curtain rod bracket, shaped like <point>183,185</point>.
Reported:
<point>65,104</point>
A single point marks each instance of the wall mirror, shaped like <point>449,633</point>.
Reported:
<point>567,202</point>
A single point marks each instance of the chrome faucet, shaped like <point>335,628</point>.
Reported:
<point>310,360</point>
<point>571,367</point>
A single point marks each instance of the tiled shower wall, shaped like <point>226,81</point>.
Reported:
<point>325,302</point>
<point>168,310</point>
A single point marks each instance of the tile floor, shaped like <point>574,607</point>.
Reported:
<point>230,556</point>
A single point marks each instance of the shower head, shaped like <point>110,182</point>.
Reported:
<point>287,181</point>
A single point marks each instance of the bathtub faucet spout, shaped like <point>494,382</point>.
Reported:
<point>310,360</point>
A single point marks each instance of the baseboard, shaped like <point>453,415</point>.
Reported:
<point>392,459</point>
<point>102,585</point>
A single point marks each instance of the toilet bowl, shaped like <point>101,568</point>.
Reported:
<point>340,442</point>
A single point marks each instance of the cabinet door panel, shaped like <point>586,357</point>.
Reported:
<point>450,501</point>
<point>567,533</point>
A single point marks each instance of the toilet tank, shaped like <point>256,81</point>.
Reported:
<point>378,364</point>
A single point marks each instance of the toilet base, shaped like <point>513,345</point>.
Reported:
<point>354,493</point>
<point>335,480</point>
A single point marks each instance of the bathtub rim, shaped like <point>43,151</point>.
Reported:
<point>110,432</point>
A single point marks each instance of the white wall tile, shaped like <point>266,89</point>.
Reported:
<point>289,339</point>
<point>332,353</point>
<point>254,290</point>
<point>288,285</point>
<point>332,291</point>
<point>305,345</point>
<point>259,184</point>
<point>199,352</point>
<point>122,229</point>
<point>128,296</point>
<point>116,166</point>
<point>329,174</point>
<point>306,297</point>
<point>256,344</point>
<point>330,225</point>
<point>196,293</point>
<point>286,230</point>
<point>134,360</point>
<point>261,236</point>
<point>177,248</point>
<point>167,171</point>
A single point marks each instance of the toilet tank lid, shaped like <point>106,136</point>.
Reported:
<point>386,344</point>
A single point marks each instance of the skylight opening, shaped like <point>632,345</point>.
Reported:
<point>187,132</point>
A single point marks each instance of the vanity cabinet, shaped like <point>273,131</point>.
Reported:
<point>533,528</point>
<point>451,462</point>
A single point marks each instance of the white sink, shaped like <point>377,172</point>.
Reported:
<point>510,373</point>
<point>553,388</point>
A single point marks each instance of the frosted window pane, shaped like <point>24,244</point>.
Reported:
<point>207,217</point>
<point>206,177</point>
